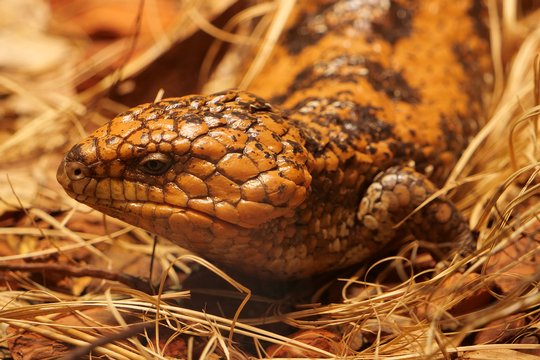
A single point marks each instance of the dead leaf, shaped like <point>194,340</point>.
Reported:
<point>533,340</point>
<point>319,338</point>
<point>495,354</point>
<point>31,345</point>
<point>501,330</point>
<point>511,267</point>
<point>458,294</point>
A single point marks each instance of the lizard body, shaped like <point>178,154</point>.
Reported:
<point>361,112</point>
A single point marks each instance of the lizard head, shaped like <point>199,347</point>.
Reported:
<point>192,169</point>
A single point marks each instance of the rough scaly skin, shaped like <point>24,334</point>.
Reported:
<point>361,92</point>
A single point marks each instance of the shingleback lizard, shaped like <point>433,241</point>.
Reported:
<point>360,113</point>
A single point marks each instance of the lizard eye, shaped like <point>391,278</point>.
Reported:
<point>155,164</point>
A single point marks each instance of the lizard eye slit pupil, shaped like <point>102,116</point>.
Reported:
<point>155,164</point>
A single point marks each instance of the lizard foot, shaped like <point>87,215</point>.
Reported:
<point>395,194</point>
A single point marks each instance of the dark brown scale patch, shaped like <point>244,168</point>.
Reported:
<point>397,24</point>
<point>473,89</point>
<point>75,153</point>
<point>351,69</point>
<point>98,149</point>
<point>454,139</point>
<point>351,119</point>
<point>158,107</point>
<point>312,139</point>
<point>367,122</point>
<point>401,150</point>
<point>300,35</point>
<point>346,17</point>
<point>254,104</point>
<point>406,150</point>
<point>210,114</point>
<point>276,117</point>
<point>296,147</point>
<point>477,12</point>
<point>241,115</point>
<point>260,106</point>
<point>392,83</point>
<point>192,118</point>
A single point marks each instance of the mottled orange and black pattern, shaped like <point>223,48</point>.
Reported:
<point>360,113</point>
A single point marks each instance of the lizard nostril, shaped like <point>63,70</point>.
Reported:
<point>76,170</point>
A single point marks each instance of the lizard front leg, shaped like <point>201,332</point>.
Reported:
<point>395,194</point>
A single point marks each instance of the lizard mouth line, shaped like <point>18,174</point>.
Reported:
<point>121,209</point>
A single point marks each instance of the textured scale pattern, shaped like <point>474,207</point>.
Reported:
<point>360,114</point>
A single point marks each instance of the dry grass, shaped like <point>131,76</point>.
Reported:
<point>495,183</point>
